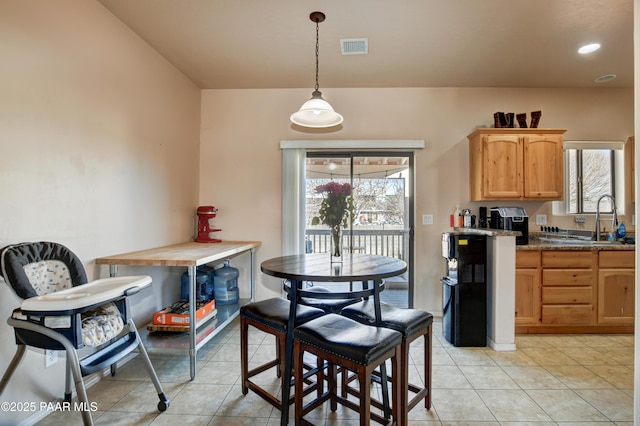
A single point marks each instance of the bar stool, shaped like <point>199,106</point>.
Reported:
<point>412,323</point>
<point>348,344</point>
<point>270,316</point>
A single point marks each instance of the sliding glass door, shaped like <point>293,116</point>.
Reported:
<point>382,213</point>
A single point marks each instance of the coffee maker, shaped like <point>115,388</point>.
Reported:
<point>511,219</point>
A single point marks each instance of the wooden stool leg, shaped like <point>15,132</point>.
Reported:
<point>279,357</point>
<point>244,354</point>
<point>397,408</point>
<point>320,377</point>
<point>364,379</point>
<point>333,385</point>
<point>427,367</point>
<point>403,406</point>
<point>344,373</point>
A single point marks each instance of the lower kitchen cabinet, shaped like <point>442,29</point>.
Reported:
<point>527,287</point>
<point>616,283</point>
<point>575,291</point>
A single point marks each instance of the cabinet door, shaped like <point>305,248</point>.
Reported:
<point>616,296</point>
<point>502,168</point>
<point>543,167</point>
<point>527,296</point>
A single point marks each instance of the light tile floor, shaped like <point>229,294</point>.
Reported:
<point>550,379</point>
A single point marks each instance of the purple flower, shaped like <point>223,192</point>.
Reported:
<point>336,206</point>
<point>334,188</point>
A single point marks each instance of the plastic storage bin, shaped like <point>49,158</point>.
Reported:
<point>225,285</point>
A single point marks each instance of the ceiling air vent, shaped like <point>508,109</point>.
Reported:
<point>354,46</point>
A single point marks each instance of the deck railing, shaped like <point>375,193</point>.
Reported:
<point>383,242</point>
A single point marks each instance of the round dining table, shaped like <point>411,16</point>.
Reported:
<point>318,267</point>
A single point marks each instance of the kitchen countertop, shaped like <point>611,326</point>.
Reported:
<point>570,245</point>
<point>486,231</point>
<point>557,244</point>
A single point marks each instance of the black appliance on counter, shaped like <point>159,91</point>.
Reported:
<point>511,219</point>
<point>464,289</point>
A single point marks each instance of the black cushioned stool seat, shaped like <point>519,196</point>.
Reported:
<point>348,344</point>
<point>270,316</point>
<point>412,323</point>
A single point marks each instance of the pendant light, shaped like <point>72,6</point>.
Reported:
<point>316,112</point>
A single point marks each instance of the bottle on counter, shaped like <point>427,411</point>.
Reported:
<point>457,217</point>
<point>466,221</point>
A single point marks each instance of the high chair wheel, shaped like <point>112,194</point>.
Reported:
<point>163,405</point>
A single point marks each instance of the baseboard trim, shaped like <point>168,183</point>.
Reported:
<point>501,347</point>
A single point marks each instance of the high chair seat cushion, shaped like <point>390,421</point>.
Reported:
<point>40,268</point>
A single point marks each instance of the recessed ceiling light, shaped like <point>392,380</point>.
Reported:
<point>588,48</point>
<point>606,77</point>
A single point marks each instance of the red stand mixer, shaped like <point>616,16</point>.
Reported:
<point>205,213</point>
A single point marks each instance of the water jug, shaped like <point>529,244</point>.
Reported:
<point>204,284</point>
<point>225,285</point>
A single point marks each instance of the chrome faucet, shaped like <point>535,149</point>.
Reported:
<point>614,218</point>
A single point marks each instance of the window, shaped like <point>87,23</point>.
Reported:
<point>591,174</point>
<point>591,169</point>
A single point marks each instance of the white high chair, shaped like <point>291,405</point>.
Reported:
<point>61,311</point>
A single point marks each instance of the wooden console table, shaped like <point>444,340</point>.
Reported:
<point>189,255</point>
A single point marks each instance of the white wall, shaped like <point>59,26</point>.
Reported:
<point>99,140</point>
<point>240,163</point>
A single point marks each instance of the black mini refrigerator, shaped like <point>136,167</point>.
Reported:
<point>464,289</point>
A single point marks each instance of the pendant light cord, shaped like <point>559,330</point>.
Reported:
<point>317,52</point>
<point>316,112</point>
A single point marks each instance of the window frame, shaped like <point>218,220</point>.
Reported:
<point>616,169</point>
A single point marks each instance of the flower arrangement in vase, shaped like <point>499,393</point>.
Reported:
<point>335,211</point>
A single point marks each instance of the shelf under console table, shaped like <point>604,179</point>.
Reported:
<point>189,255</point>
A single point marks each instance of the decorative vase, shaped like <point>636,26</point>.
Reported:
<point>335,245</point>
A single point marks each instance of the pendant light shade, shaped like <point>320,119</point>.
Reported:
<point>316,112</point>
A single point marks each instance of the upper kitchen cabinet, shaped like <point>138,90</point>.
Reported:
<point>516,164</point>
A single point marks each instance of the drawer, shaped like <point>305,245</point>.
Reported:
<point>568,314</point>
<point>527,259</point>
<point>568,277</point>
<point>567,295</point>
<point>568,259</point>
<point>616,259</point>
